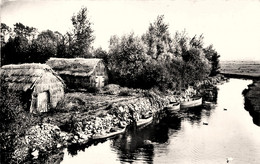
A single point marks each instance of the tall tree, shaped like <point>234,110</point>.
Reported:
<point>82,34</point>
<point>197,42</point>
<point>196,65</point>
<point>181,43</point>
<point>158,40</point>
<point>213,56</point>
<point>25,31</point>
<point>15,51</point>
<point>127,56</point>
<point>100,53</point>
<point>63,45</point>
<point>43,47</point>
<point>5,31</point>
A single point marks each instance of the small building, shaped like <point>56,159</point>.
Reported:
<point>80,73</point>
<point>37,86</point>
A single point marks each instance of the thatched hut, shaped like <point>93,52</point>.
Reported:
<point>37,85</point>
<point>80,73</point>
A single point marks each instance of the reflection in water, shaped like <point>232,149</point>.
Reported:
<point>55,157</point>
<point>194,115</point>
<point>75,148</point>
<point>210,94</point>
<point>131,146</point>
<point>138,144</point>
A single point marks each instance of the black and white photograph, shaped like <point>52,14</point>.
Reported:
<point>130,82</point>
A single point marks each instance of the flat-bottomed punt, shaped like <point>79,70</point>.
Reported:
<point>107,135</point>
<point>144,122</point>
<point>197,101</point>
<point>173,106</point>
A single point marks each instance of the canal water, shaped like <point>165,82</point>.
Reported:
<point>185,138</point>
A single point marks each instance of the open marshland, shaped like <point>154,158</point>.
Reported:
<point>241,68</point>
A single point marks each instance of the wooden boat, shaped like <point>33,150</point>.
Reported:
<point>197,101</point>
<point>173,106</point>
<point>107,135</point>
<point>208,104</point>
<point>145,121</point>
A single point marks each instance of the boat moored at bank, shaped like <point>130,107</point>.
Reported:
<point>173,107</point>
<point>109,134</point>
<point>144,121</point>
<point>193,102</point>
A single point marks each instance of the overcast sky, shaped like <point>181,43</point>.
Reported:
<point>233,27</point>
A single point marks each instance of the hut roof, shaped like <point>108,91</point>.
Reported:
<point>73,66</point>
<point>23,76</point>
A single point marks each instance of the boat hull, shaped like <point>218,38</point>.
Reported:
<point>192,103</point>
<point>144,122</point>
<point>107,135</point>
<point>173,107</point>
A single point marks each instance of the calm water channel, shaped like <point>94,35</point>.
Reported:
<point>185,139</point>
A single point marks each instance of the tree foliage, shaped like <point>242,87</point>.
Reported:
<point>158,40</point>
<point>165,62</point>
<point>82,34</point>
<point>26,44</point>
<point>156,59</point>
<point>213,56</point>
<point>126,59</point>
<point>24,31</point>
<point>5,30</point>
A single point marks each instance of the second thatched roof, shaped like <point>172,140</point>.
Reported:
<point>73,66</point>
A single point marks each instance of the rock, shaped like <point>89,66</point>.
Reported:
<point>81,141</point>
<point>66,138</point>
<point>63,134</point>
<point>35,154</point>
<point>83,136</point>
<point>59,145</point>
<point>147,142</point>
<point>122,124</point>
<point>121,109</point>
<point>76,137</point>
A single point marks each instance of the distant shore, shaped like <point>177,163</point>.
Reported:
<point>241,69</point>
<point>241,76</point>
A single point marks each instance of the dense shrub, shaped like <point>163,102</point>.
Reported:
<point>93,90</point>
<point>14,122</point>
<point>125,92</point>
<point>157,60</point>
<point>72,103</point>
